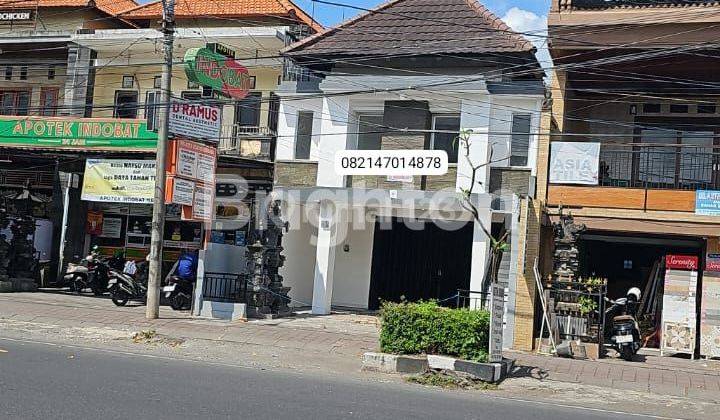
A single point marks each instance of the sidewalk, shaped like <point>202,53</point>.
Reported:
<point>336,334</point>
<point>654,374</point>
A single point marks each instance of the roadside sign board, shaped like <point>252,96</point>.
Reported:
<point>707,203</point>
<point>195,121</point>
<point>119,181</point>
<point>191,179</point>
<point>223,74</point>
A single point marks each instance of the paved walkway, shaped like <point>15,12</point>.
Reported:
<point>658,375</point>
<point>341,333</point>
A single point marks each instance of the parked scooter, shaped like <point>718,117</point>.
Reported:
<point>178,293</point>
<point>128,285</point>
<point>625,330</point>
<point>77,275</point>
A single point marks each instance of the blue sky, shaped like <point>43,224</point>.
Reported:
<point>331,15</point>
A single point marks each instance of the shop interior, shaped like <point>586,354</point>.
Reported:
<point>628,261</point>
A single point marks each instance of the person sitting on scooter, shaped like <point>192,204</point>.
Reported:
<point>186,266</point>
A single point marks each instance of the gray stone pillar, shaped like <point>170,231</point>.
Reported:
<point>78,92</point>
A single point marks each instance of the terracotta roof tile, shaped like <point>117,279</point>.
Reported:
<point>110,7</point>
<point>422,26</point>
<point>231,8</point>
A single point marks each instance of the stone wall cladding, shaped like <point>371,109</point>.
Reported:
<point>440,182</point>
<point>510,179</point>
<point>296,174</point>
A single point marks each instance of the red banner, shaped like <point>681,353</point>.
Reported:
<point>682,262</point>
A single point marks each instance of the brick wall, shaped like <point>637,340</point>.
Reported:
<point>525,294</point>
<point>296,174</point>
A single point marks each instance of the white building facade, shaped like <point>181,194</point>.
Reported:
<point>355,241</point>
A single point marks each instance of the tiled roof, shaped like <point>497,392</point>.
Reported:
<point>230,8</point>
<point>111,7</point>
<point>632,4</point>
<point>417,26</point>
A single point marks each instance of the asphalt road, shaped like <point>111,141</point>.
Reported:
<point>44,381</point>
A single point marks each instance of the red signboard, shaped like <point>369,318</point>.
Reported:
<point>682,262</point>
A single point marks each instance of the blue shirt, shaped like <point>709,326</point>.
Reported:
<point>187,266</point>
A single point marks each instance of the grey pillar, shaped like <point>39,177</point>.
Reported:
<point>78,91</point>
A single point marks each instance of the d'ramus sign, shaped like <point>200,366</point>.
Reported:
<point>223,74</point>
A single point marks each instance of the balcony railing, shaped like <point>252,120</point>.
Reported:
<point>681,167</point>
<point>247,142</point>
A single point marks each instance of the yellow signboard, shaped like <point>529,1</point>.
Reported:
<point>119,181</point>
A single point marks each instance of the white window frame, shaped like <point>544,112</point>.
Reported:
<point>530,139</point>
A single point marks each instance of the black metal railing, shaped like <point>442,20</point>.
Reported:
<point>472,300</point>
<point>224,287</point>
<point>680,167</point>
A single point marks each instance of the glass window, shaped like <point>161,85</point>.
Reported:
<point>152,99</point>
<point>48,101</point>
<point>303,136</point>
<point>126,104</point>
<point>247,110</point>
<point>446,129</point>
<point>369,132</point>
<point>14,102</point>
<point>520,139</point>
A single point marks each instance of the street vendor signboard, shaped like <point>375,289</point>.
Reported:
<point>76,133</point>
<point>119,181</point>
<point>195,121</point>
<point>679,315</point>
<point>223,74</point>
<point>575,163</point>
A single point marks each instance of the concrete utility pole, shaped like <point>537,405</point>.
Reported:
<point>158,221</point>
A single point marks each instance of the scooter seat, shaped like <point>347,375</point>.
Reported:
<point>622,318</point>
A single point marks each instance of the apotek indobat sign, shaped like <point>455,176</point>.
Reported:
<point>223,74</point>
<point>76,133</point>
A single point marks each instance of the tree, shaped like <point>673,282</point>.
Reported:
<point>497,245</point>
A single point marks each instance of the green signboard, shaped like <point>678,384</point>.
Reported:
<point>223,74</point>
<point>79,133</point>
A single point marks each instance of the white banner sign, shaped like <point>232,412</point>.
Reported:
<point>574,163</point>
<point>183,192</point>
<point>195,121</point>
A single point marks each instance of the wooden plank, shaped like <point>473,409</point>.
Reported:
<point>606,197</point>
<point>671,200</point>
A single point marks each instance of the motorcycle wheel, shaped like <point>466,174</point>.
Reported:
<point>180,302</point>
<point>120,298</point>
<point>77,285</point>
<point>626,353</point>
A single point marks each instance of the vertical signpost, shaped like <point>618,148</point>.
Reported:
<point>497,312</point>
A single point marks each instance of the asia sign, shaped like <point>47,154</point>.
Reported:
<point>574,163</point>
<point>707,203</point>
<point>119,181</point>
<point>196,121</point>
<point>223,74</point>
<point>76,133</point>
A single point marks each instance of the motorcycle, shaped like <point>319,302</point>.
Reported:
<point>77,275</point>
<point>625,332</point>
<point>178,293</point>
<point>125,286</point>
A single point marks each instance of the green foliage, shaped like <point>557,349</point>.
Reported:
<point>587,304</point>
<point>425,327</point>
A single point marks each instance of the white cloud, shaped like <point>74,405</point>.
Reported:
<point>534,28</point>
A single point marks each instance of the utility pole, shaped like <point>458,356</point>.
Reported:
<point>152,310</point>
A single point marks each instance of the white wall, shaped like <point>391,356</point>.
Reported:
<point>287,126</point>
<point>503,108</point>
<point>351,286</point>
<point>299,250</point>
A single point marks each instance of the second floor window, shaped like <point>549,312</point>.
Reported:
<point>49,101</point>
<point>303,135</point>
<point>126,104</point>
<point>369,135</point>
<point>14,102</point>
<point>520,139</point>
<point>247,110</point>
<point>446,129</point>
<point>152,99</point>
